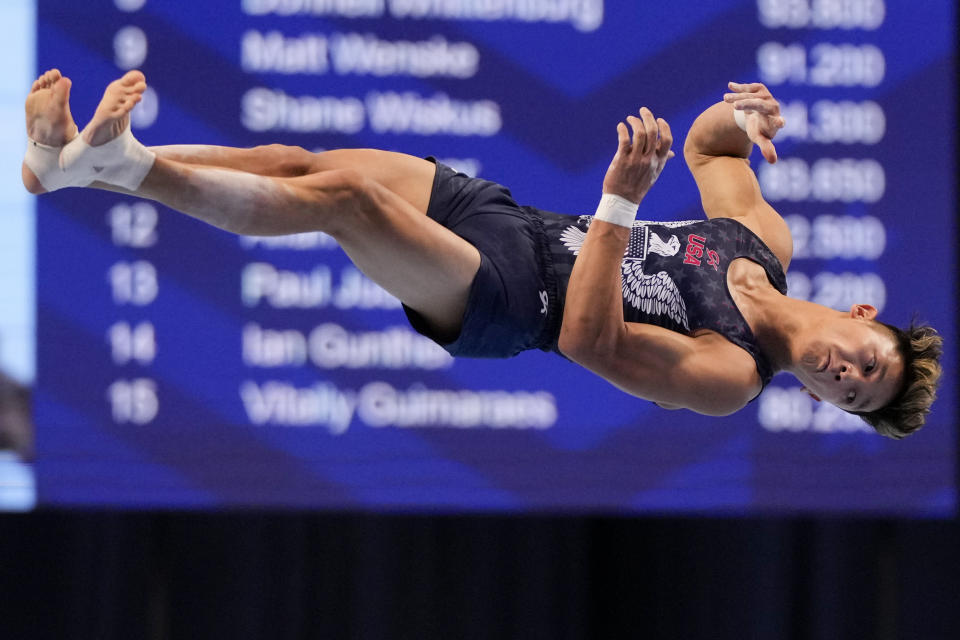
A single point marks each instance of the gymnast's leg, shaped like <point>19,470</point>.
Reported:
<point>50,123</point>
<point>425,265</point>
<point>392,170</point>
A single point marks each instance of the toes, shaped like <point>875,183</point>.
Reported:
<point>46,80</point>
<point>61,88</point>
<point>49,78</point>
<point>132,83</point>
<point>131,78</point>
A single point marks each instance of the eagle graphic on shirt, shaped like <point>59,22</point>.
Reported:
<point>655,294</point>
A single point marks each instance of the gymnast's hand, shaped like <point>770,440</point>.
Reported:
<point>762,115</point>
<point>640,159</point>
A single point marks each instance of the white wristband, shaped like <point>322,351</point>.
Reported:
<point>616,210</point>
<point>740,117</point>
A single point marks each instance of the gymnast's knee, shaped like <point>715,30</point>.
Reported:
<point>286,160</point>
<point>348,199</point>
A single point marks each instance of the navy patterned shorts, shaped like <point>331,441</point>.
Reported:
<point>511,306</point>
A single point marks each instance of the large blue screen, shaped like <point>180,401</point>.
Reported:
<point>180,366</point>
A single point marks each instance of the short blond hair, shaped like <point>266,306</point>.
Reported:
<point>921,348</point>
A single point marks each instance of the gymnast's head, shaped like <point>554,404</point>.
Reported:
<point>921,347</point>
<point>886,375</point>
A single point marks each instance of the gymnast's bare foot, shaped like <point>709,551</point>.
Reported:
<point>48,118</point>
<point>113,113</point>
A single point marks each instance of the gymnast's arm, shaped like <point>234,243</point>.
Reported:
<point>707,374</point>
<point>717,152</point>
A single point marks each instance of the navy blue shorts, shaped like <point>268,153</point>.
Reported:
<point>512,302</point>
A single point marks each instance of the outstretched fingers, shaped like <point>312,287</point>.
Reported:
<point>768,150</point>
<point>761,113</point>
<point>636,125</point>
<point>645,143</point>
<point>651,131</point>
<point>665,141</point>
<point>761,105</point>
<point>746,87</point>
<point>753,96</point>
<point>623,139</point>
<point>648,132</point>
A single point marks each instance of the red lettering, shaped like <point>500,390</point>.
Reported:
<point>713,259</point>
<point>694,249</point>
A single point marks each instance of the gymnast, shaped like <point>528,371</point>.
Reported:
<point>690,314</point>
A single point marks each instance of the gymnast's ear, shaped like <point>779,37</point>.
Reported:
<point>811,394</point>
<point>866,311</point>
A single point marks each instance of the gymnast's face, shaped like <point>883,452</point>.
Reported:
<point>853,362</point>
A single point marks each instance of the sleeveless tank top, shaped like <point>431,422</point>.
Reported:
<point>674,275</point>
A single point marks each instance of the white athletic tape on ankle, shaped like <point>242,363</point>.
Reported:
<point>123,162</point>
<point>740,117</point>
<point>44,161</point>
<point>616,210</point>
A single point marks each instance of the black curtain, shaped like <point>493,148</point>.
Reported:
<point>302,575</point>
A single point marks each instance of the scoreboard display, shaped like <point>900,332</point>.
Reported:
<point>181,366</point>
